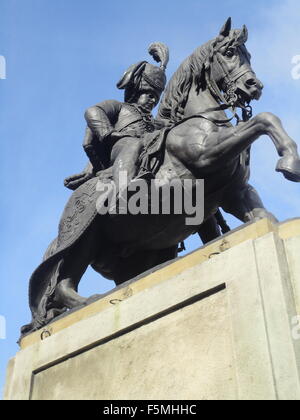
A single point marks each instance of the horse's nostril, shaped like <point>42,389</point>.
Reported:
<point>251,82</point>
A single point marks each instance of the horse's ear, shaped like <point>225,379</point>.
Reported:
<point>245,33</point>
<point>243,36</point>
<point>226,28</point>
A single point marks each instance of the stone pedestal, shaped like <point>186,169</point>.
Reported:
<point>220,323</point>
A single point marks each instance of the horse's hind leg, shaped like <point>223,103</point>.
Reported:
<point>209,230</point>
<point>71,271</point>
<point>246,205</point>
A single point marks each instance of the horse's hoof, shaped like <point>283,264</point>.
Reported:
<point>290,167</point>
<point>67,297</point>
<point>93,298</point>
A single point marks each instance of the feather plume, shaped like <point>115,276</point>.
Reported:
<point>160,53</point>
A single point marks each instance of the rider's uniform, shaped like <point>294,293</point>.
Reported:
<point>107,117</point>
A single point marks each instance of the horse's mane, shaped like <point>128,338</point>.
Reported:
<point>192,70</point>
<point>176,94</point>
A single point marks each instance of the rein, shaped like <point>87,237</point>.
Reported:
<point>213,120</point>
<point>228,100</point>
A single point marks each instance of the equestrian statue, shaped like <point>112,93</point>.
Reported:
<point>192,137</point>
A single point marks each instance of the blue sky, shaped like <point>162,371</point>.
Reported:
<point>65,55</point>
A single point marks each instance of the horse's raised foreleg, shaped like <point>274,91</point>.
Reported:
<point>225,144</point>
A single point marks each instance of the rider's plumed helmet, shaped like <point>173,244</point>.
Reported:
<point>145,76</point>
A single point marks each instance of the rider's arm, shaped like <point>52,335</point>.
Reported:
<point>100,124</point>
<point>102,117</point>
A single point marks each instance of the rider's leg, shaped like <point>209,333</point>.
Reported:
<point>125,155</point>
<point>245,204</point>
<point>124,158</point>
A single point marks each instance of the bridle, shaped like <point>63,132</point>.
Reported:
<point>229,99</point>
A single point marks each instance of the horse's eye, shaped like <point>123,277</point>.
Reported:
<point>229,53</point>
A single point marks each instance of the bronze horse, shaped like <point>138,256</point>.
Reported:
<point>201,143</point>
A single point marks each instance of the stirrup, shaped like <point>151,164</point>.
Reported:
<point>146,175</point>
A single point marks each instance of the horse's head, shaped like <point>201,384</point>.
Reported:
<point>228,67</point>
<point>222,65</point>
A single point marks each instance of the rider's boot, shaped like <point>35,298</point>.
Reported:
<point>145,175</point>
